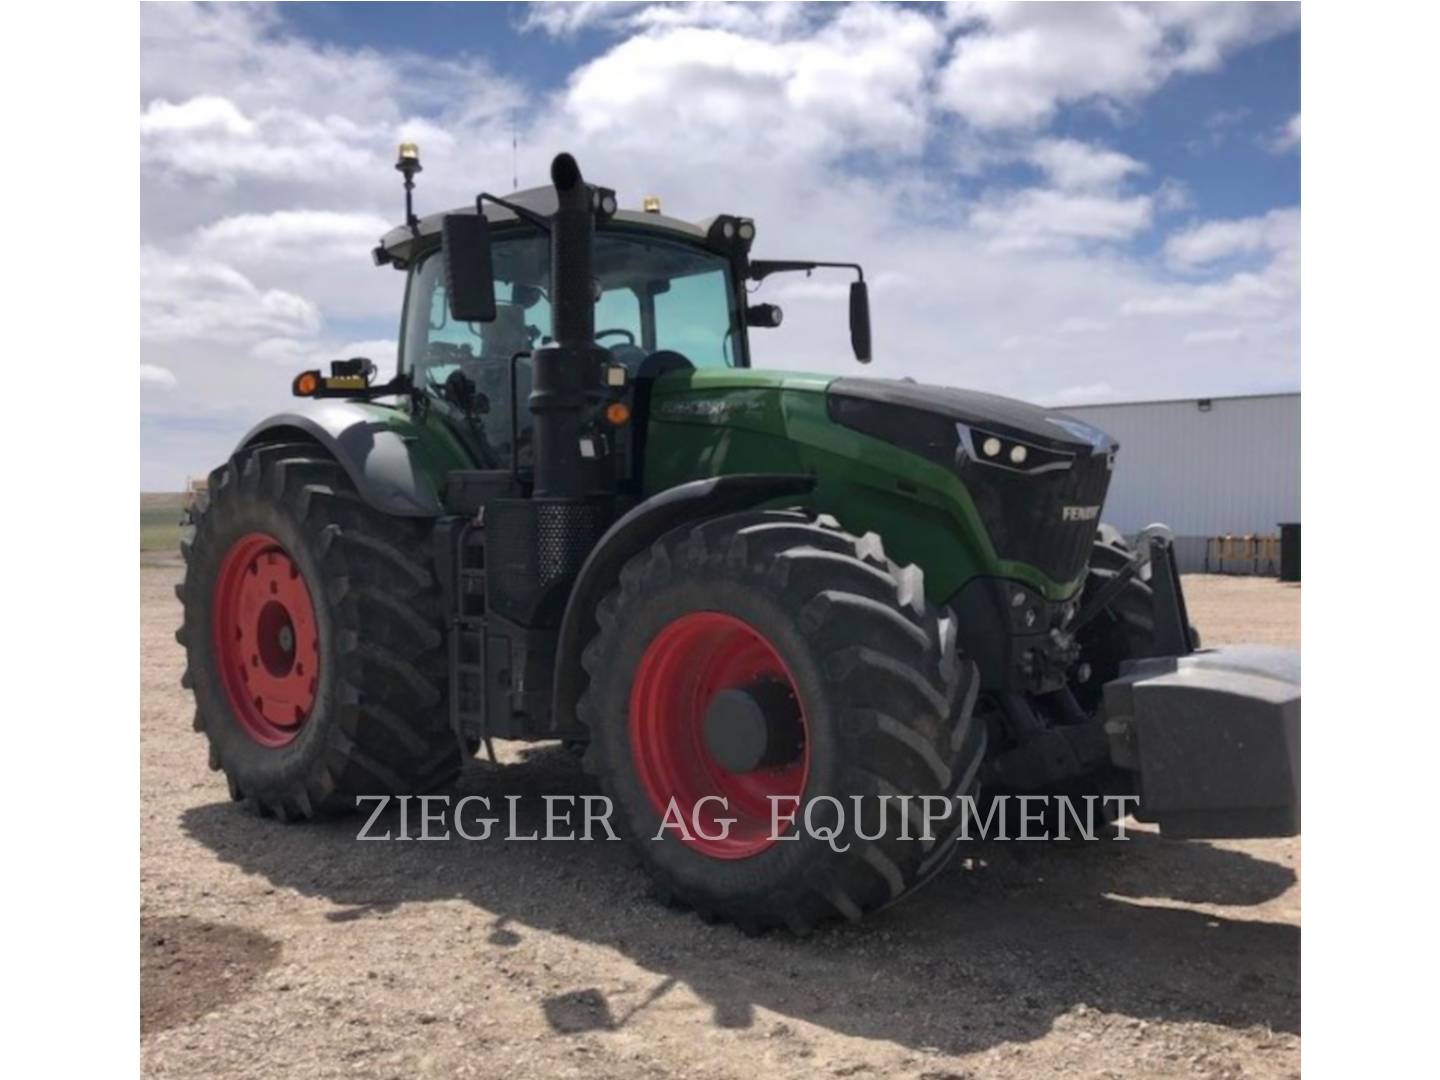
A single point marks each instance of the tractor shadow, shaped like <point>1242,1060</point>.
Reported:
<point>998,947</point>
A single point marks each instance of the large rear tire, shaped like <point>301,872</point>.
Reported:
<point>873,700</point>
<point>313,633</point>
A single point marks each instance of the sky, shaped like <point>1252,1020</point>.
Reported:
<point>1065,203</point>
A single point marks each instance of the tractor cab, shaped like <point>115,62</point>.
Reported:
<point>656,293</point>
<point>665,292</point>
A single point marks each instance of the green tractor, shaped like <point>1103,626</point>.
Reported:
<point>797,625</point>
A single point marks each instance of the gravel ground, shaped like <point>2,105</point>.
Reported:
<point>297,951</point>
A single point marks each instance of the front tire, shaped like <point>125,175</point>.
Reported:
<point>867,693</point>
<point>1125,629</point>
<point>313,634</point>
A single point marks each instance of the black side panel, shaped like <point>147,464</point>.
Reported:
<point>377,459</point>
<point>534,549</point>
<point>634,532</point>
<point>1049,428</point>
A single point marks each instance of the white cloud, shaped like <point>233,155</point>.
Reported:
<point>211,138</point>
<point>157,376</point>
<point>1081,395</point>
<point>200,114</point>
<point>1225,336</point>
<point>1070,163</point>
<point>308,353</point>
<point>1042,218</point>
<point>1173,195</point>
<point>195,299</point>
<point>565,20</point>
<point>1014,65</point>
<point>1212,241</point>
<point>292,233</point>
<point>857,82</point>
<point>1285,138</point>
<point>1081,324</point>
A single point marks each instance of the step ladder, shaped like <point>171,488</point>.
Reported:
<point>466,640</point>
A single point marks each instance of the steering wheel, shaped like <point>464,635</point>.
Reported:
<point>629,334</point>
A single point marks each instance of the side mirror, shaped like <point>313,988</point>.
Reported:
<point>469,275</point>
<point>860,321</point>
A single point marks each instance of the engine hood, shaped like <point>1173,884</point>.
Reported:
<point>1050,428</point>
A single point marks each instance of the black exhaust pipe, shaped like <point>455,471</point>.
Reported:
<point>572,242</point>
<point>570,364</point>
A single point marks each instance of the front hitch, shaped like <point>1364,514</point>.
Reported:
<point>1153,561</point>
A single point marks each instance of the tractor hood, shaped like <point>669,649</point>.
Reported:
<point>1048,429</point>
<point>992,413</point>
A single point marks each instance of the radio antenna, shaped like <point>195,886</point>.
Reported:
<point>514,155</point>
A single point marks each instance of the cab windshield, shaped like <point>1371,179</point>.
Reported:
<point>652,295</point>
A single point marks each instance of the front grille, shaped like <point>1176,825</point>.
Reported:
<point>1026,517</point>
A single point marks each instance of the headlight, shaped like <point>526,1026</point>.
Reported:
<point>1011,454</point>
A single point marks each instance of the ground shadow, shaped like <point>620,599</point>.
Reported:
<point>189,967</point>
<point>996,948</point>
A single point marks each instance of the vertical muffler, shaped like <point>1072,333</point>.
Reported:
<point>537,545</point>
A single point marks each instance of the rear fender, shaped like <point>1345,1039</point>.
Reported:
<point>397,465</point>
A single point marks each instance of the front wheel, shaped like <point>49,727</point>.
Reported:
<point>754,665</point>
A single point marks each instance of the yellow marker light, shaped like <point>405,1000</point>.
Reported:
<point>305,384</point>
<point>651,204</point>
<point>409,151</point>
<point>617,414</point>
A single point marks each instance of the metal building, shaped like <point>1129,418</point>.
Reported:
<point>1207,467</point>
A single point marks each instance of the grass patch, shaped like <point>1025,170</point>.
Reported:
<point>160,520</point>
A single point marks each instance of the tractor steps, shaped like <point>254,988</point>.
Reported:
<point>466,636</point>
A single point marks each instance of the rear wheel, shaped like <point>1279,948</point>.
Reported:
<point>313,638</point>
<point>772,660</point>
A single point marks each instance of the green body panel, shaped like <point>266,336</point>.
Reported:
<point>433,445</point>
<point>434,448</point>
<point>718,421</point>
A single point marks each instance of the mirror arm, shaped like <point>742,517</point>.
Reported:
<point>760,269</point>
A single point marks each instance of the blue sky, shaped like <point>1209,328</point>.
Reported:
<point>1065,203</point>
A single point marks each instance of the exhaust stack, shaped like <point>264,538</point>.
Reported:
<point>568,366</point>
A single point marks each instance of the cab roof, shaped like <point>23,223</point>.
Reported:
<point>401,244</point>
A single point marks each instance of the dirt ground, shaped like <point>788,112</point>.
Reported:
<point>269,950</point>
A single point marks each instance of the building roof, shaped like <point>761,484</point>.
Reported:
<point>1077,407</point>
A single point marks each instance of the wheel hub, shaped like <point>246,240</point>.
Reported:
<point>266,639</point>
<point>754,727</point>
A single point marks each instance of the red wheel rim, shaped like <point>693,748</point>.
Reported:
<point>689,662</point>
<point>266,639</point>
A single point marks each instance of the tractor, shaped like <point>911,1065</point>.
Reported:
<point>753,601</point>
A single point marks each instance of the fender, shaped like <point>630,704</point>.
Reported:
<point>397,465</point>
<point>633,533</point>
